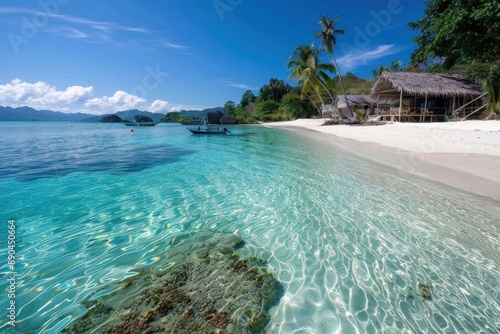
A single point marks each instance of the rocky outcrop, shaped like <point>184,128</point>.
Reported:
<point>228,119</point>
<point>110,119</point>
<point>200,286</point>
<point>142,119</point>
<point>214,116</point>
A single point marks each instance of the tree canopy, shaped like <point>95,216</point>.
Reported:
<point>247,98</point>
<point>309,71</point>
<point>274,90</point>
<point>458,31</point>
<point>229,107</point>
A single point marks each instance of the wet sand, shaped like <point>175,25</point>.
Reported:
<point>465,155</point>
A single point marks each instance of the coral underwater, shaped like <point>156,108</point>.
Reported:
<point>198,286</point>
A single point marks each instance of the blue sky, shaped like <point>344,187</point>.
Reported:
<point>162,55</point>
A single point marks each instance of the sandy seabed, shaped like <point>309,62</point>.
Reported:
<point>461,154</point>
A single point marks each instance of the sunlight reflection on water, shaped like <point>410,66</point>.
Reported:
<point>349,240</point>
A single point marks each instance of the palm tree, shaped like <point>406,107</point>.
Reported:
<point>378,72</point>
<point>395,66</point>
<point>308,70</point>
<point>329,41</point>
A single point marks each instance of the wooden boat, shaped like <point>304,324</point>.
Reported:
<point>209,131</point>
<point>205,129</point>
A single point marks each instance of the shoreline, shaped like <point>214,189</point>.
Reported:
<point>463,155</point>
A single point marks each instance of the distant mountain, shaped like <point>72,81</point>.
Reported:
<point>30,114</point>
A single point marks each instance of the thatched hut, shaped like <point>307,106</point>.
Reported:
<point>362,102</point>
<point>354,101</point>
<point>427,96</point>
<point>328,111</point>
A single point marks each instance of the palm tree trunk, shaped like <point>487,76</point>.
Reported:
<point>324,87</point>
<point>313,103</point>
<point>315,90</point>
<point>341,84</point>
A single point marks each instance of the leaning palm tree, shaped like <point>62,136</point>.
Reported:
<point>308,70</point>
<point>308,86</point>
<point>328,40</point>
<point>312,92</point>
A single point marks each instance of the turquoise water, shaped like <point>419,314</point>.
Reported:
<point>349,240</point>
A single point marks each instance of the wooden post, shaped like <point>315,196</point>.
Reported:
<point>453,106</point>
<point>465,103</point>
<point>400,103</point>
<point>425,107</point>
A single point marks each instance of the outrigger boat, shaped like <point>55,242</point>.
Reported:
<point>209,131</point>
<point>205,129</point>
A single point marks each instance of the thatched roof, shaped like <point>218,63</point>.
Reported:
<point>390,84</point>
<point>354,100</point>
<point>326,108</point>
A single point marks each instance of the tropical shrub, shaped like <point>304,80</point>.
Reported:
<point>492,86</point>
<point>265,109</point>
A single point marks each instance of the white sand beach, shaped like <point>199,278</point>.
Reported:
<point>461,154</point>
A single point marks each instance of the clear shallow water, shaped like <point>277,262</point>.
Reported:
<point>349,240</point>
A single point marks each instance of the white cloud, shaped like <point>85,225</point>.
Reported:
<point>174,45</point>
<point>42,95</point>
<point>362,57</point>
<point>159,106</point>
<point>71,32</point>
<point>119,101</point>
<point>187,107</point>
<point>232,83</point>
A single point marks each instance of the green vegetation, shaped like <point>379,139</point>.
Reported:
<point>229,108</point>
<point>310,73</point>
<point>247,98</point>
<point>267,109</point>
<point>294,105</point>
<point>274,90</point>
<point>171,117</point>
<point>458,32</point>
<point>492,86</point>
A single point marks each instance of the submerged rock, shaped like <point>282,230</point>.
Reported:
<point>200,286</point>
<point>424,291</point>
